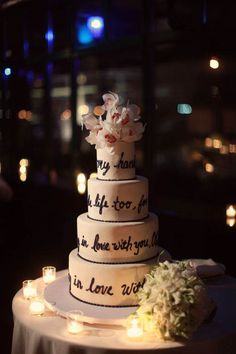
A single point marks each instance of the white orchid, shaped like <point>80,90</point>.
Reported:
<point>173,301</point>
<point>120,123</point>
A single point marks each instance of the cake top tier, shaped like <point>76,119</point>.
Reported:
<point>112,123</point>
<point>119,165</point>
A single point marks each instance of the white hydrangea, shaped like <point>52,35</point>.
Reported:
<point>173,301</point>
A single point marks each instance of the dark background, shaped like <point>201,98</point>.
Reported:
<point>155,54</point>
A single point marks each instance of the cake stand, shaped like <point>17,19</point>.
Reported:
<point>59,300</point>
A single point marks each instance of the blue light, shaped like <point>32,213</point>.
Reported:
<point>26,48</point>
<point>96,26</point>
<point>49,35</point>
<point>30,75</point>
<point>49,68</point>
<point>84,35</point>
<point>7,71</point>
<point>184,108</point>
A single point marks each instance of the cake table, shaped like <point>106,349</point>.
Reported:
<point>47,334</point>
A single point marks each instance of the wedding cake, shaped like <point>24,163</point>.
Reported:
<point>117,237</point>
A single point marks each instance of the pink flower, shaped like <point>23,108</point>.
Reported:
<point>120,124</point>
<point>91,122</point>
<point>125,120</point>
<point>111,100</point>
<point>110,138</point>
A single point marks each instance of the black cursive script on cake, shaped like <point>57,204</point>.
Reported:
<point>101,203</point>
<point>124,164</point>
<point>122,244</point>
<point>105,166</point>
<point>97,245</point>
<point>142,203</point>
<point>133,288</point>
<point>95,288</point>
<point>121,204</point>
<point>99,289</point>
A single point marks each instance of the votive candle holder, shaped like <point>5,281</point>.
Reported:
<point>37,306</point>
<point>29,289</point>
<point>75,322</point>
<point>49,274</point>
<point>134,327</point>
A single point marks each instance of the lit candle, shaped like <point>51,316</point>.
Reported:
<point>134,328</point>
<point>230,211</point>
<point>37,306</point>
<point>49,274</point>
<point>29,289</point>
<point>74,324</point>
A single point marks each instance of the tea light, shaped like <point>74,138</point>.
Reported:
<point>74,324</point>
<point>37,306</point>
<point>230,211</point>
<point>134,327</point>
<point>29,289</point>
<point>49,274</point>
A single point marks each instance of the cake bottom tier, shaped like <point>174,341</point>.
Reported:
<point>113,285</point>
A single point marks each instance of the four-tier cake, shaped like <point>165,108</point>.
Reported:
<point>117,237</point>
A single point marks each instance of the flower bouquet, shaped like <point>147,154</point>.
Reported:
<point>174,301</point>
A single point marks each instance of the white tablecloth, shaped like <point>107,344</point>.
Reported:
<point>47,334</point>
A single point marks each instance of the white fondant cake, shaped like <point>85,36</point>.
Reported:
<point>106,284</point>
<point>121,242</point>
<point>120,165</point>
<point>117,238</point>
<point>118,200</point>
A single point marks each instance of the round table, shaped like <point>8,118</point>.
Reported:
<point>47,334</point>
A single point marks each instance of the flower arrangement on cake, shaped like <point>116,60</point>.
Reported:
<point>174,301</point>
<point>112,122</point>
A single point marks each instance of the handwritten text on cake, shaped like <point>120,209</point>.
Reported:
<point>95,288</point>
<point>101,203</point>
<point>120,245</point>
<point>122,164</point>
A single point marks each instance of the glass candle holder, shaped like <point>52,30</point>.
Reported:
<point>49,274</point>
<point>134,327</point>
<point>74,322</point>
<point>29,289</point>
<point>37,306</point>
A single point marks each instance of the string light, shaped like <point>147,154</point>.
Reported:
<point>23,169</point>
<point>230,212</point>
<point>81,183</point>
